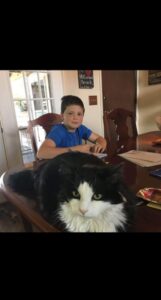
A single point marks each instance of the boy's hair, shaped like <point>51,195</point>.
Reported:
<point>71,100</point>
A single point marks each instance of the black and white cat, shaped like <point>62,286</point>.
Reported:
<point>80,192</point>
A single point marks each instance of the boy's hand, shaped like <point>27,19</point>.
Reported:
<point>82,148</point>
<point>97,148</point>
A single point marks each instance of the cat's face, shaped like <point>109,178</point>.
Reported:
<point>91,202</point>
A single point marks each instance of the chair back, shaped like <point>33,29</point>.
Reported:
<point>158,121</point>
<point>46,121</point>
<point>120,129</point>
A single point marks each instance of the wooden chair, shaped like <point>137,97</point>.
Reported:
<point>120,130</point>
<point>46,122</point>
<point>158,121</point>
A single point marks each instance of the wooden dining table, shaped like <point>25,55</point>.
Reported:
<point>145,141</point>
<point>146,219</point>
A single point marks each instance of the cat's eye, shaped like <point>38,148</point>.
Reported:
<point>97,196</point>
<point>75,194</point>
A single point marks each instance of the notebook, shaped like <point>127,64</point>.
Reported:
<point>156,173</point>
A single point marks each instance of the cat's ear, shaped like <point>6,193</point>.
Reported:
<point>116,173</point>
<point>112,173</point>
<point>118,168</point>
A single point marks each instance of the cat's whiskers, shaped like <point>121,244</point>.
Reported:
<point>122,196</point>
<point>106,221</point>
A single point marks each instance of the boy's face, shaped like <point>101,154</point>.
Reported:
<point>73,117</point>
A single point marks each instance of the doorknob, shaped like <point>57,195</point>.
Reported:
<point>104,98</point>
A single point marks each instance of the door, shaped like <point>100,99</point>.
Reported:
<point>119,91</point>
<point>32,98</point>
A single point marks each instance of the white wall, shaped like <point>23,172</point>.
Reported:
<point>148,103</point>
<point>93,117</point>
<point>8,121</point>
<point>56,89</point>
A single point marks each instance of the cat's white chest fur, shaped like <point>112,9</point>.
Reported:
<point>88,215</point>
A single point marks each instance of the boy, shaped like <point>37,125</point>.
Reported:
<point>68,135</point>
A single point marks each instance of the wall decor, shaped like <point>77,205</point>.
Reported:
<point>85,79</point>
<point>154,76</point>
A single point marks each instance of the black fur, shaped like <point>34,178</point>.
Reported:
<point>53,182</point>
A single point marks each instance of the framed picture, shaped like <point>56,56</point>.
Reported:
<point>85,79</point>
<point>154,76</point>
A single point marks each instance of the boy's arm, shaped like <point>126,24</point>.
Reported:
<point>49,150</point>
<point>99,141</point>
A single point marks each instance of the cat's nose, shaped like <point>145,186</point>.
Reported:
<point>83,211</point>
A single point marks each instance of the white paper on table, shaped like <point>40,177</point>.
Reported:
<point>100,155</point>
<point>142,158</point>
<point>144,155</point>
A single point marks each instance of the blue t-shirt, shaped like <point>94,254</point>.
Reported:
<point>63,138</point>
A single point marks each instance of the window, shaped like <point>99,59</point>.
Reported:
<point>31,95</point>
<point>32,98</point>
